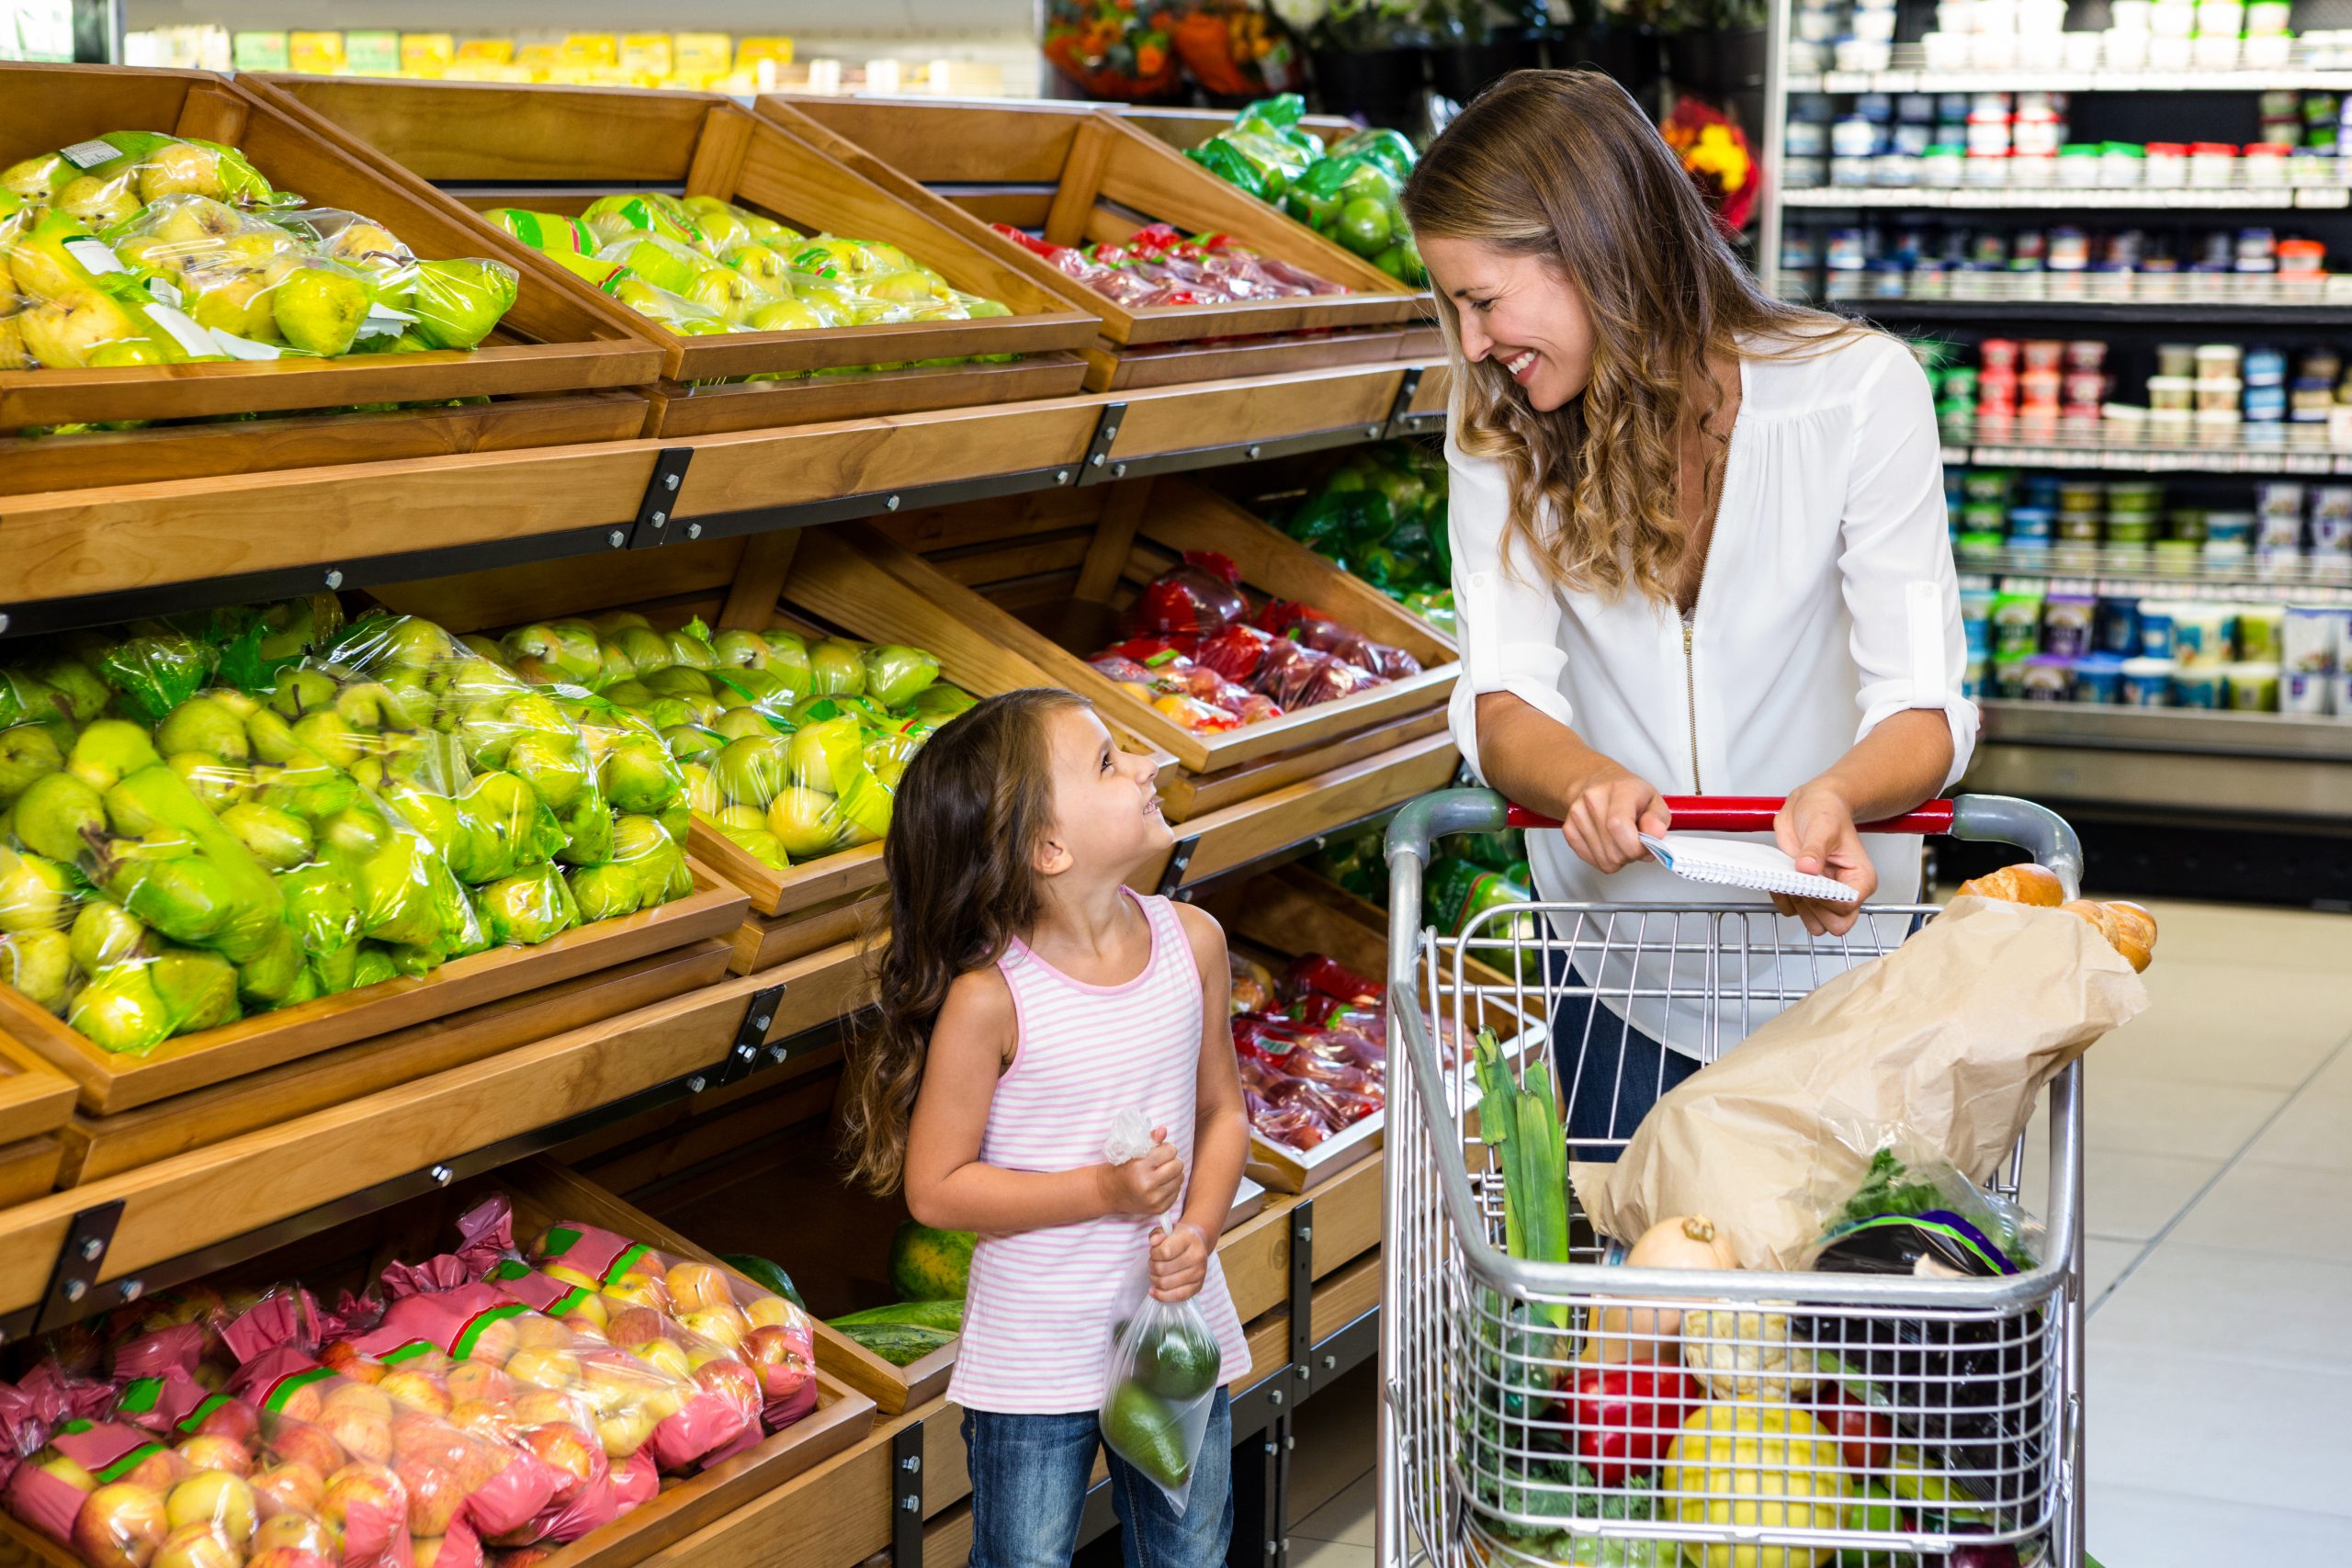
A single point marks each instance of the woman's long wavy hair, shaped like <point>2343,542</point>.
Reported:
<point>1563,165</point>
<point>961,855</point>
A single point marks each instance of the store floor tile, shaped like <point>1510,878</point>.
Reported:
<point>2220,1427</point>
<point>2134,1527</point>
<point>2165,1116</point>
<point>2126,1196</point>
<point>2277,1208</point>
<point>2315,1132</point>
<point>2279,1309</point>
<point>1307,1553</point>
<point>2103,1263</point>
<point>2248,934</point>
<point>2261,1026</point>
<point>1349,1517</point>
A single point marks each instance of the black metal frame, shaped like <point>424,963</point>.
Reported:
<point>1172,883</point>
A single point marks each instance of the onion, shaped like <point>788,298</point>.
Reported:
<point>1646,1334</point>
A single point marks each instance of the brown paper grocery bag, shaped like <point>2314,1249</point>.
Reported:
<point>1952,1035</point>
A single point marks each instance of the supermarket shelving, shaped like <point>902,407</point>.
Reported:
<point>2061,198</point>
<point>2091,450</point>
<point>2308,67</point>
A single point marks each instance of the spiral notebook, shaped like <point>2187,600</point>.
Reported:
<point>1732,863</point>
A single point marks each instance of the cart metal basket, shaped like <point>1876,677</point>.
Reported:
<point>1583,1414</point>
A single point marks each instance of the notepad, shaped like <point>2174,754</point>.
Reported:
<point>1730,862</point>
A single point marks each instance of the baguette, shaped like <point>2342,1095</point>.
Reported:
<point>2135,932</point>
<point>2025,883</point>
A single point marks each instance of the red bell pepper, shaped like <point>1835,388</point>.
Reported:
<point>1624,1417</point>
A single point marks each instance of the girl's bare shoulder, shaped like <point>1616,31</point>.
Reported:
<point>1205,937</point>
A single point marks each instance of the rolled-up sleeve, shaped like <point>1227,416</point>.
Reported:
<point>1895,560</point>
<point>1507,618</point>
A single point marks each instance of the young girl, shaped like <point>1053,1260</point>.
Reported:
<point>1026,997</point>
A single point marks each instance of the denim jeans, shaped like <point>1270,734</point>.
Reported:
<point>1029,1476</point>
<point>1610,1077</point>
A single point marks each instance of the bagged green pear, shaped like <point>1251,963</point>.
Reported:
<point>528,908</point>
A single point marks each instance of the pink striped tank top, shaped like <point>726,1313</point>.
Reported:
<point>1038,1316</point>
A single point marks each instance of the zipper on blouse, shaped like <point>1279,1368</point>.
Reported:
<point>1690,693</point>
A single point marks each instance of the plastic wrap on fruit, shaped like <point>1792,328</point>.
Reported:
<point>1297,676</point>
<point>1234,651</point>
<point>768,1333</point>
<point>1252,983</point>
<point>1125,670</point>
<point>1295,1126</point>
<point>1196,716</point>
<point>1317,972</point>
<point>1196,597</point>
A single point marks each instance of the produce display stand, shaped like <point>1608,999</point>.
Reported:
<point>35,1102</point>
<point>546,343</point>
<point>1142,528</point>
<point>557,148</point>
<point>111,1082</point>
<point>1078,175</point>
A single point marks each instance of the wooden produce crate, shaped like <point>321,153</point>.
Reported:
<point>1048,576</point>
<point>1291,911</point>
<point>557,148</point>
<point>35,1101</point>
<point>100,1147</point>
<point>548,343</point>
<point>1078,175</point>
<point>807,579</point>
<point>112,1083</point>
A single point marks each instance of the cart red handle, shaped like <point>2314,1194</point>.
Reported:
<point>1754,814</point>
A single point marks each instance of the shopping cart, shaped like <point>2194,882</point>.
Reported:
<point>1876,1420</point>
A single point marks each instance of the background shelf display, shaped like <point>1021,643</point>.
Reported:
<point>2064,448</point>
<point>2235,198</point>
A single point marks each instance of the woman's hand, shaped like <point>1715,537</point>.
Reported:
<point>1815,827</point>
<point>1145,1186</point>
<point>1180,1262</point>
<point>1609,811</point>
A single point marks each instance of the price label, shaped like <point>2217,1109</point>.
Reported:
<point>95,255</point>
<point>237,347</point>
<point>90,154</point>
<point>165,292</point>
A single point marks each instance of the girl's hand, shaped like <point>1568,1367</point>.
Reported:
<point>1610,809</point>
<point>1145,1186</point>
<point>1179,1263</point>
<point>1815,827</point>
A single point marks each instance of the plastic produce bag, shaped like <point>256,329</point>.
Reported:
<point>1164,1361</point>
<point>1197,597</point>
<point>768,1333</point>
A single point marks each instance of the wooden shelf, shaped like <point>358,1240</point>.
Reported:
<point>114,551</point>
<point>256,1190</point>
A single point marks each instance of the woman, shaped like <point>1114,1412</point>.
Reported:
<point>1699,545</point>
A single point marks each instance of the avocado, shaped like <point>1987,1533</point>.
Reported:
<point>1180,1362</point>
<point>1141,1429</point>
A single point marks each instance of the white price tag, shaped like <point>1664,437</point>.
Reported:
<point>194,340</point>
<point>237,347</point>
<point>90,154</point>
<point>165,292</point>
<point>383,321</point>
<point>95,255</point>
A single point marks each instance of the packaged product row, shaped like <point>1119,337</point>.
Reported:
<point>2029,643</point>
<point>2071,523</point>
<point>2030,138</point>
<point>2193,264</point>
<point>2218,393</point>
<point>2001,35</point>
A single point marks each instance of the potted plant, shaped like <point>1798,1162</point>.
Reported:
<point>1715,46</point>
<point>1370,58</point>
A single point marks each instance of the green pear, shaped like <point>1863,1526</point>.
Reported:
<point>308,785</point>
<point>354,833</point>
<point>371,706</point>
<point>677,681</point>
<point>741,650</point>
<point>60,816</point>
<point>280,839</point>
<point>217,786</point>
<point>613,666</point>
<point>319,909</point>
<point>690,647</point>
<point>648,650</point>
<point>640,843</point>
<point>376,966</point>
<point>301,692</point>
<point>761,846</point>
<point>82,690</point>
<point>36,895</point>
<point>40,965</point>
<point>941,700</point>
<point>631,693</point>
<point>678,821</point>
<point>751,772</point>
<point>743,724</point>
<point>336,971</point>
<point>640,774</point>
<point>318,306</point>
<point>326,733</point>
<point>394,891</point>
<point>272,735</point>
<point>200,988</point>
<point>668,713</point>
<point>457,301</point>
<point>815,748</point>
<point>119,1011</point>
<point>806,823</point>
<point>185,897</point>
<point>836,667</point>
<point>692,743</point>
<point>27,751</point>
<point>604,892</point>
<point>528,908</point>
<point>205,724</point>
<point>414,962</point>
<point>106,751</point>
<point>740,819</point>
<point>270,978</point>
<point>895,672</point>
<point>587,832</point>
<point>555,766</point>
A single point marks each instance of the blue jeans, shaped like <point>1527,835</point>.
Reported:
<point>1611,1073</point>
<point>1029,1476</point>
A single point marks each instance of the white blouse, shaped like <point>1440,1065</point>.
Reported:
<point>1829,602</point>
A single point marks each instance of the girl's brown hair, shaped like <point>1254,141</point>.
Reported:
<point>971,811</point>
<point>1564,165</point>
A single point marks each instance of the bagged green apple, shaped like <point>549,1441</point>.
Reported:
<point>112,176</point>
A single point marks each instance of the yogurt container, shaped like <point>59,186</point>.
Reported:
<point>2066,625</point>
<point>2116,628</point>
<point>2145,682</point>
<point>2258,629</point>
<point>2200,688</point>
<point>2155,627</point>
<point>2339,696</point>
<point>2048,678</point>
<point>2098,678</point>
<point>2252,687</point>
<point>2311,639</point>
<point>2017,624</point>
<point>2201,634</point>
<point>2305,694</point>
